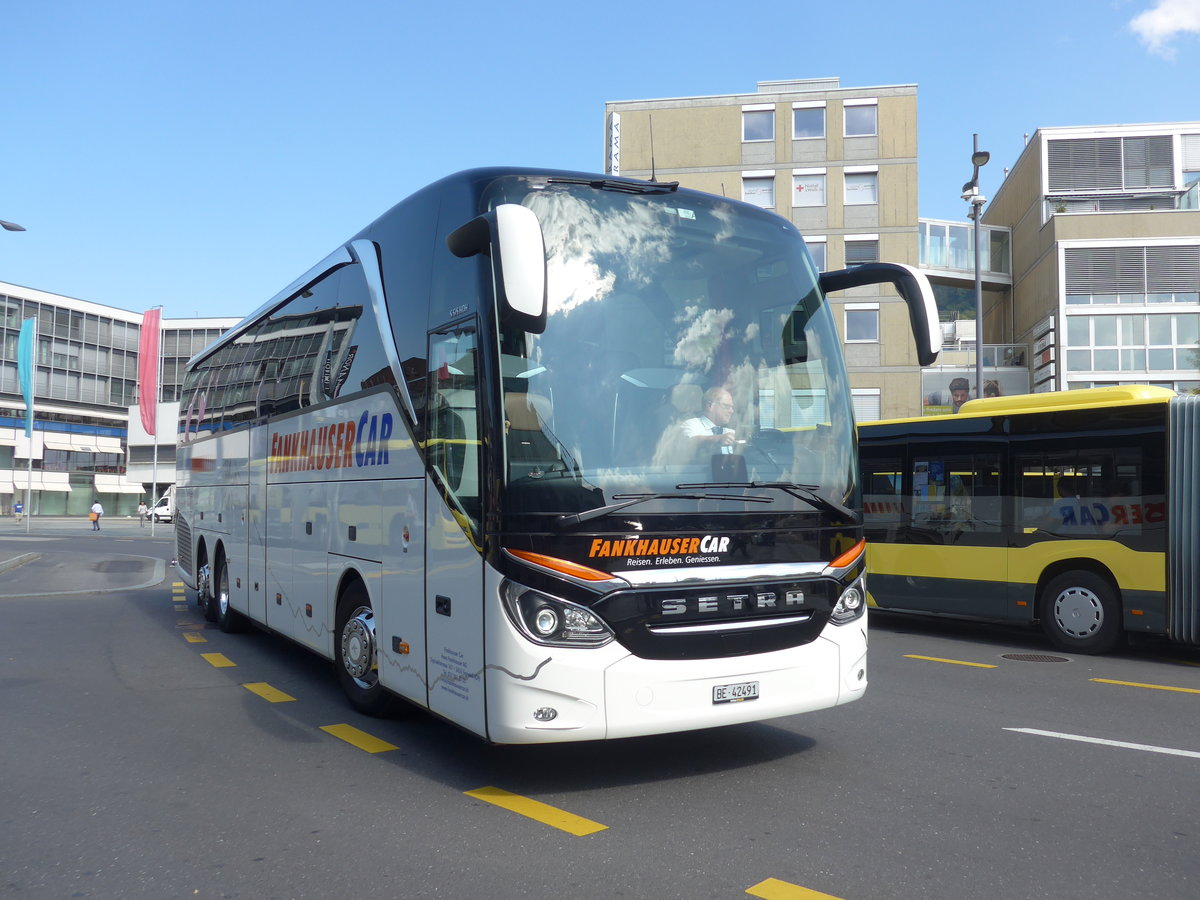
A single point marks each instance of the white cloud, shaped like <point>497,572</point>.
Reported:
<point>1159,26</point>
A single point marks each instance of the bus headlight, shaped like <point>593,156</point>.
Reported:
<point>551,620</point>
<point>851,605</point>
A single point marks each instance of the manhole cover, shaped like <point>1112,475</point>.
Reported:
<point>1033,657</point>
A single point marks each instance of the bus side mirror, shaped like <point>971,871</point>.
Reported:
<point>512,236</point>
<point>910,284</point>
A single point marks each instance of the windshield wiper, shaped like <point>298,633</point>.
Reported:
<point>612,184</point>
<point>630,499</point>
<point>806,492</point>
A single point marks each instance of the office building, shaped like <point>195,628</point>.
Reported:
<point>87,441</point>
<point>1106,256</point>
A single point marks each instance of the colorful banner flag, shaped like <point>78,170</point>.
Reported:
<point>25,363</point>
<point>148,370</point>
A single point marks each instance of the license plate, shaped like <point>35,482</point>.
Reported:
<point>735,693</point>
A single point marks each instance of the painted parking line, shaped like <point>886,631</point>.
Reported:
<point>359,739</point>
<point>1149,687</point>
<point>952,662</point>
<point>538,811</point>
<point>194,637</point>
<point>219,660</point>
<point>268,693</point>
<point>1124,745</point>
<point>774,889</point>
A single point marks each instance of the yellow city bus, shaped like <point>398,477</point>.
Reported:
<point>1076,510</point>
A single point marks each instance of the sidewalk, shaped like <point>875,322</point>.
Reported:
<point>58,525</point>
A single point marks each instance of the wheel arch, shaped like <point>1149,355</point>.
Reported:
<point>346,579</point>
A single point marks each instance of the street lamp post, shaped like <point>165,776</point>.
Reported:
<point>11,226</point>
<point>970,193</point>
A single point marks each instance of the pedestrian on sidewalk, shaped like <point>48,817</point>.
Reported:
<point>142,510</point>
<point>97,512</point>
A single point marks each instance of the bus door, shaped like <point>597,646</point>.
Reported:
<point>453,515</point>
<point>956,557</point>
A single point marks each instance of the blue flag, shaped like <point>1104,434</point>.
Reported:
<point>25,363</point>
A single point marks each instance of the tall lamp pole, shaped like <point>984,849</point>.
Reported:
<point>11,226</point>
<point>970,193</point>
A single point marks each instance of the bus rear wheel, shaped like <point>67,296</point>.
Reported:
<point>356,654</point>
<point>1081,613</point>
<point>229,619</point>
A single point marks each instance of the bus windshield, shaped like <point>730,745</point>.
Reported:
<point>688,355</point>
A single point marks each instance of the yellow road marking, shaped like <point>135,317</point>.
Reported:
<point>219,660</point>
<point>953,662</point>
<point>194,637</point>
<point>359,739</point>
<point>268,693</point>
<point>534,809</point>
<point>774,889</point>
<point>1151,687</point>
<point>181,608</point>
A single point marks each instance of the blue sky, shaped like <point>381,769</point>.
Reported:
<point>201,155</point>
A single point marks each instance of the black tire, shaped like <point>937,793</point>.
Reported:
<point>228,619</point>
<point>204,592</point>
<point>356,654</point>
<point>1081,613</point>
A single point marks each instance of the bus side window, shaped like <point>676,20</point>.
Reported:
<point>883,509</point>
<point>956,496</point>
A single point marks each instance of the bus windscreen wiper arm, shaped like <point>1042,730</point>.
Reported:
<point>805,492</point>
<point>629,499</point>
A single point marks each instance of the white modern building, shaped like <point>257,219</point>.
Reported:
<point>87,440</point>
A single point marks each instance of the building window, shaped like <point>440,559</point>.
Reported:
<point>862,323</point>
<point>862,188</point>
<point>808,122</point>
<point>817,250</point>
<point>758,124</point>
<point>862,118</point>
<point>1110,163</point>
<point>866,402</point>
<point>1111,343</point>
<point>759,189</point>
<point>860,251</point>
<point>808,187</point>
<point>1132,274</point>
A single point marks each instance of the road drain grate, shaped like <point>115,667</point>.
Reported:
<point>1033,657</point>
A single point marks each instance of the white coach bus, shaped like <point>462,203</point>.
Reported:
<point>555,456</point>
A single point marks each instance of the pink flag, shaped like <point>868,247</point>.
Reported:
<point>148,370</point>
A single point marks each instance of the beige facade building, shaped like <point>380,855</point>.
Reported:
<point>840,163</point>
<point>1106,256</point>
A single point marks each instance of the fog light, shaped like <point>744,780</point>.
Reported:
<point>545,714</point>
<point>545,620</point>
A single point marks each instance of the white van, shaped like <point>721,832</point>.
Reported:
<point>164,509</point>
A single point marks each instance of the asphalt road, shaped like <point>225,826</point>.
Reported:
<point>145,754</point>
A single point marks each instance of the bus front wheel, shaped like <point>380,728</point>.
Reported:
<point>356,656</point>
<point>1080,613</point>
<point>204,592</point>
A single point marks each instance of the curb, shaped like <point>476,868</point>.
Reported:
<point>9,564</point>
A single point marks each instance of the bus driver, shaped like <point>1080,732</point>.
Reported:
<point>709,431</point>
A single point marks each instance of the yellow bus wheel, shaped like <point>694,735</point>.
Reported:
<point>1081,612</point>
